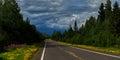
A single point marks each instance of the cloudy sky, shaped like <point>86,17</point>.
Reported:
<point>49,15</point>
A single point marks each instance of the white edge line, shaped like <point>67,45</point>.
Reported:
<point>43,53</point>
<point>97,52</point>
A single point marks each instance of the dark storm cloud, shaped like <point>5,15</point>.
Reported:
<point>58,14</point>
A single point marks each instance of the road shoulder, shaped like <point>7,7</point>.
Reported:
<point>91,48</point>
<point>37,55</point>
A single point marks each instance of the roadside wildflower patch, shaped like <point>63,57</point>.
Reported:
<point>20,53</point>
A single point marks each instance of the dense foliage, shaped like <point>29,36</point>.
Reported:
<point>13,29</point>
<point>103,31</point>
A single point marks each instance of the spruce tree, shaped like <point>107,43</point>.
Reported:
<point>70,31</point>
<point>108,10</point>
<point>70,28</point>
<point>115,19</point>
<point>101,12</point>
<point>75,26</point>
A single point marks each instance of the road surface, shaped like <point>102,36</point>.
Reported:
<point>57,51</point>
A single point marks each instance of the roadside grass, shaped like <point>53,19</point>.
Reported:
<point>21,53</point>
<point>109,50</point>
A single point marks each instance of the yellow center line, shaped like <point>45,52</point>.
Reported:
<point>60,48</point>
<point>71,53</point>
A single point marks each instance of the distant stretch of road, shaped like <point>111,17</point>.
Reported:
<point>57,51</point>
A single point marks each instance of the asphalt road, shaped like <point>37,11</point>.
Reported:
<point>57,51</point>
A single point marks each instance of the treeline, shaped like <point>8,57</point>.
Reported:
<point>103,31</point>
<point>13,29</point>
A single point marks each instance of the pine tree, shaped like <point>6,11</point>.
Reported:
<point>108,17</point>
<point>81,30</point>
<point>101,12</point>
<point>108,10</point>
<point>70,28</point>
<point>75,26</point>
<point>70,31</point>
<point>116,19</point>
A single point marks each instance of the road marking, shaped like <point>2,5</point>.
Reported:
<point>70,53</point>
<point>60,48</point>
<point>97,52</point>
<point>43,53</point>
<point>73,54</point>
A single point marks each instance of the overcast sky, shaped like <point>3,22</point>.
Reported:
<point>49,15</point>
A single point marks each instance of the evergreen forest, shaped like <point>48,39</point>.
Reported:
<point>100,31</point>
